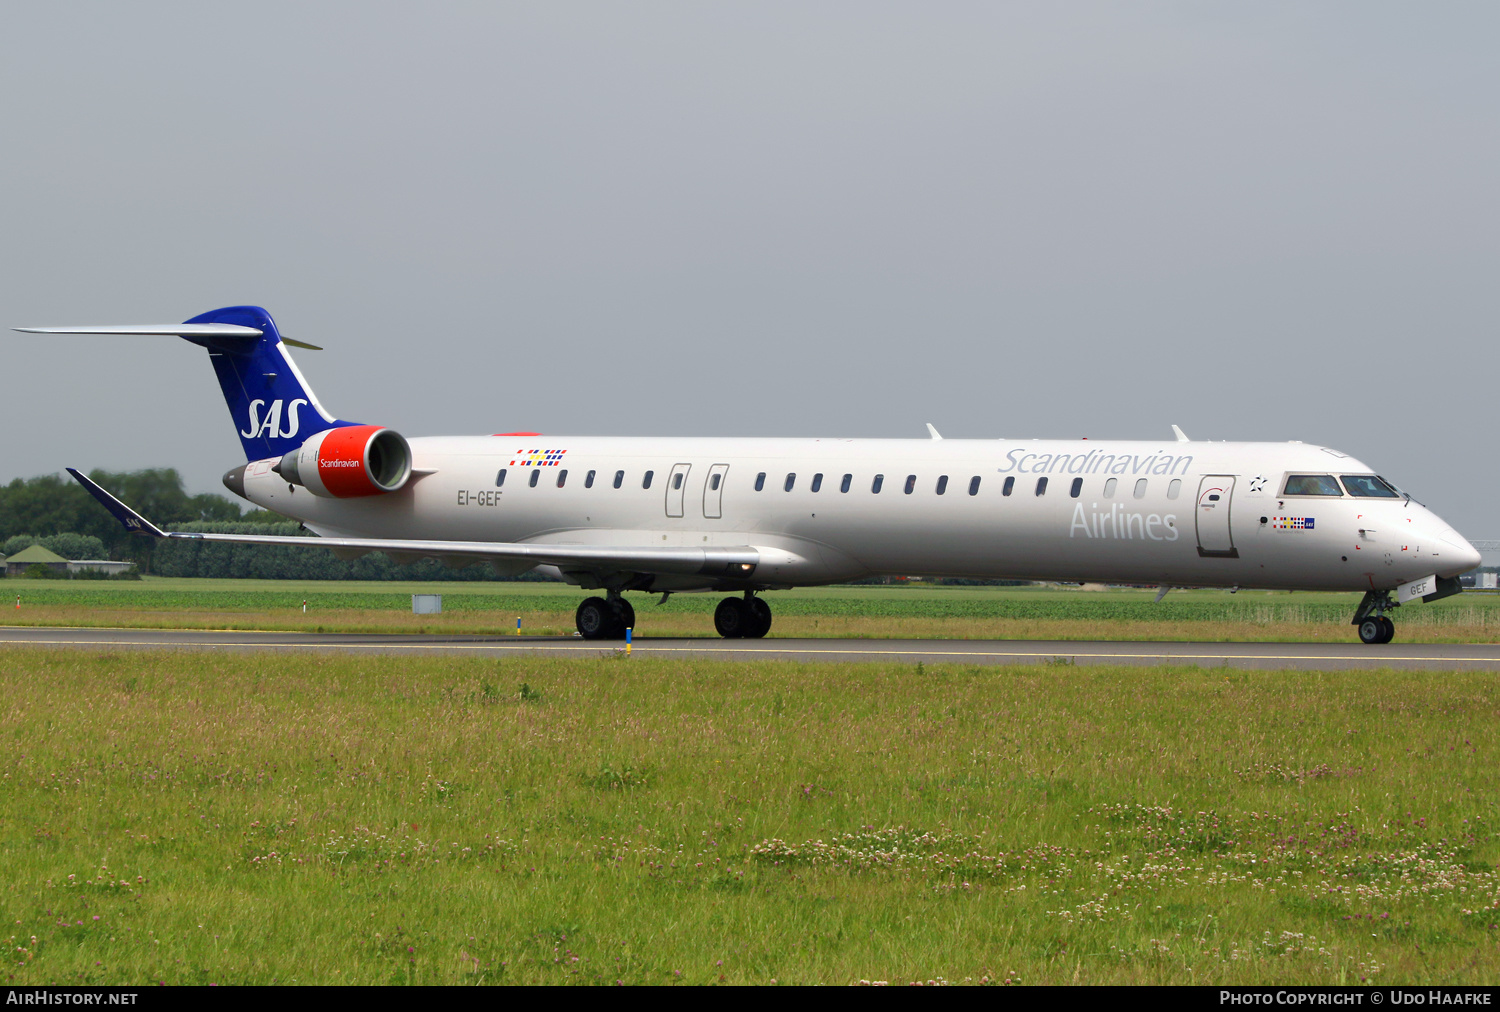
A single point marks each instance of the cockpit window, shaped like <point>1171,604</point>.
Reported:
<point>1311,484</point>
<point>1368,486</point>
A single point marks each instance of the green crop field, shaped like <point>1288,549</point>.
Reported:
<point>908,611</point>
<point>192,818</point>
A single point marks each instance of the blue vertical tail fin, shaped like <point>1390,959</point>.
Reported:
<point>273,408</point>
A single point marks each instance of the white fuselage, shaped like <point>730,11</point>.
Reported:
<point>1173,513</point>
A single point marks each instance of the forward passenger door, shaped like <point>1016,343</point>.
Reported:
<point>1212,516</point>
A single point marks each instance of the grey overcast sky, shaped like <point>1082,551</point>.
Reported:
<point>1256,220</point>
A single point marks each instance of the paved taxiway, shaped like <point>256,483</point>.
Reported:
<point>1432,656</point>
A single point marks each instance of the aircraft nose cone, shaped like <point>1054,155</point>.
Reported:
<point>1465,556</point>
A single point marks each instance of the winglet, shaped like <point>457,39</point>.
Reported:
<point>1181,436</point>
<point>133,521</point>
<point>933,431</point>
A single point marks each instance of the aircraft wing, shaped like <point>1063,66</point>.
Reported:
<point>738,563</point>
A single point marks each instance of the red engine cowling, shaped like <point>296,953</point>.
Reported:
<point>349,461</point>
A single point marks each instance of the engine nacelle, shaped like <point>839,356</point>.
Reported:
<point>349,461</point>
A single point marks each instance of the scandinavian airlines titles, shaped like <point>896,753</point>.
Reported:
<point>1094,462</point>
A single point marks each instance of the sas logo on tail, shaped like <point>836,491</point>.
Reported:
<point>538,458</point>
<point>271,424</point>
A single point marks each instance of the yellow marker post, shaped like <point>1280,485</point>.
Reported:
<point>627,641</point>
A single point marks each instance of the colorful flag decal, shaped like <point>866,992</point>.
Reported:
<point>537,458</point>
<point>1293,523</point>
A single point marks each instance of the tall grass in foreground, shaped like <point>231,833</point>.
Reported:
<point>192,818</point>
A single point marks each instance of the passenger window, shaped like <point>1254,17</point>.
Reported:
<point>619,478</point>
<point>646,482</point>
<point>760,481</point>
<point>791,479</point>
<point>1077,488</point>
<point>844,485</point>
<point>1041,486</point>
<point>1174,489</point>
<point>1311,484</point>
<point>1109,488</point>
<point>677,480</point>
<point>536,473</point>
<point>588,479</point>
<point>713,483</point>
<point>974,485</point>
<point>1369,486</point>
<point>1010,485</point>
<point>562,477</point>
<point>1140,488</point>
<point>500,478</point>
<point>875,485</point>
<point>942,485</point>
<point>911,483</point>
<point>817,482</point>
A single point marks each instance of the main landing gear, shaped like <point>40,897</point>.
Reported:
<point>600,618</point>
<point>1374,625</point>
<point>607,618</point>
<point>747,618</point>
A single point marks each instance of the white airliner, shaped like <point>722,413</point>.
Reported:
<point>744,516</point>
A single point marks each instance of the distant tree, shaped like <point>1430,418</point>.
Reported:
<point>212,507</point>
<point>260,517</point>
<point>67,544</point>
<point>74,546</point>
<point>54,504</point>
<point>18,543</point>
<point>47,504</point>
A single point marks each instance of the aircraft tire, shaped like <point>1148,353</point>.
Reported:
<point>1390,629</point>
<point>760,618</point>
<point>732,619</point>
<point>1371,630</point>
<point>596,620</point>
<point>624,615</point>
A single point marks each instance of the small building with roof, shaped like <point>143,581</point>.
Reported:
<point>36,555</point>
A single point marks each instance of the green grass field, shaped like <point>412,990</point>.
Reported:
<point>862,612</point>
<point>194,818</point>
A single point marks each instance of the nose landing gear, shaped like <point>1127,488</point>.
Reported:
<point>1374,625</point>
<point>1377,629</point>
<point>749,618</point>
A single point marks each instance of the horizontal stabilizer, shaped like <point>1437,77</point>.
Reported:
<point>170,330</point>
<point>166,330</point>
<point>737,563</point>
